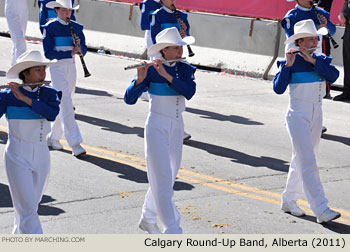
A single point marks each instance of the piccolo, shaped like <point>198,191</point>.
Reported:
<point>151,63</point>
<point>86,71</point>
<point>28,84</point>
<point>294,52</point>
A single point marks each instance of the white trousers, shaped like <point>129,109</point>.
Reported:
<point>16,12</point>
<point>27,168</point>
<point>304,124</point>
<point>64,76</point>
<point>163,148</point>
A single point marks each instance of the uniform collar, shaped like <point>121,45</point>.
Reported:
<point>62,21</point>
<point>303,8</point>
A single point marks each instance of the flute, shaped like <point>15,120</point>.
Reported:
<point>86,71</point>
<point>294,52</point>
<point>151,63</point>
<point>334,43</point>
<point>190,52</point>
<point>28,84</point>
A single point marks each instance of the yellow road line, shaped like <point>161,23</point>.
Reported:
<point>182,175</point>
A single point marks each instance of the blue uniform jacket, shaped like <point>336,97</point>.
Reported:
<point>47,106</point>
<point>305,70</point>
<point>162,19</point>
<point>58,41</point>
<point>147,7</point>
<point>299,13</point>
<point>183,83</point>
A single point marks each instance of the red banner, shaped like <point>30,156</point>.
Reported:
<point>269,9</point>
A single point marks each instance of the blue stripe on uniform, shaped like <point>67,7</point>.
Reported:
<point>306,77</point>
<point>63,41</point>
<point>169,25</point>
<point>25,113</point>
<point>161,89</point>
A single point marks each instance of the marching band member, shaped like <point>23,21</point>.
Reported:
<point>303,11</point>
<point>58,44</point>
<point>27,158</point>
<point>168,85</point>
<point>166,18</point>
<point>306,74</point>
<point>16,13</point>
<point>46,14</point>
<point>147,7</point>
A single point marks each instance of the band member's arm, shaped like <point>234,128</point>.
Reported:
<point>50,108</point>
<point>47,108</point>
<point>324,68</point>
<point>79,32</point>
<point>3,102</point>
<point>186,84</point>
<point>282,78</point>
<point>137,87</point>
<point>155,27</point>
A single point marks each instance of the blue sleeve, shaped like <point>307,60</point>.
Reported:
<point>50,108</point>
<point>49,45</point>
<point>330,26</point>
<point>3,103</point>
<point>324,68</point>
<point>282,78</point>
<point>133,92</point>
<point>186,85</point>
<point>42,16</point>
<point>155,27</point>
<point>80,34</point>
<point>288,26</point>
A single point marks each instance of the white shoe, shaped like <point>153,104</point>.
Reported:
<point>328,215</point>
<point>54,144</point>
<point>292,208</point>
<point>186,136</point>
<point>77,150</point>
<point>149,227</point>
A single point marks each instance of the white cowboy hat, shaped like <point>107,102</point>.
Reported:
<point>67,4</point>
<point>305,28</point>
<point>168,37</point>
<point>27,60</point>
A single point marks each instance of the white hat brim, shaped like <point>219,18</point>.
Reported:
<point>54,4</point>
<point>322,31</point>
<point>14,71</point>
<point>155,49</point>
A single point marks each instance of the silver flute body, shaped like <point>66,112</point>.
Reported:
<point>294,52</point>
<point>28,84</point>
<point>151,63</point>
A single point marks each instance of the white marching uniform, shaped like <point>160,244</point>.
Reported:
<point>58,44</point>
<point>304,124</point>
<point>16,12</point>
<point>64,76</point>
<point>163,140</point>
<point>27,157</point>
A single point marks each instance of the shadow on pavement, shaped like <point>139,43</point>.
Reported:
<point>220,117</point>
<point>340,139</point>
<point>80,90</point>
<point>44,210</point>
<point>128,172</point>
<point>111,126</point>
<point>240,157</point>
<point>334,226</point>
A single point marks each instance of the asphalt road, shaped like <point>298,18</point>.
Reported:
<point>234,167</point>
